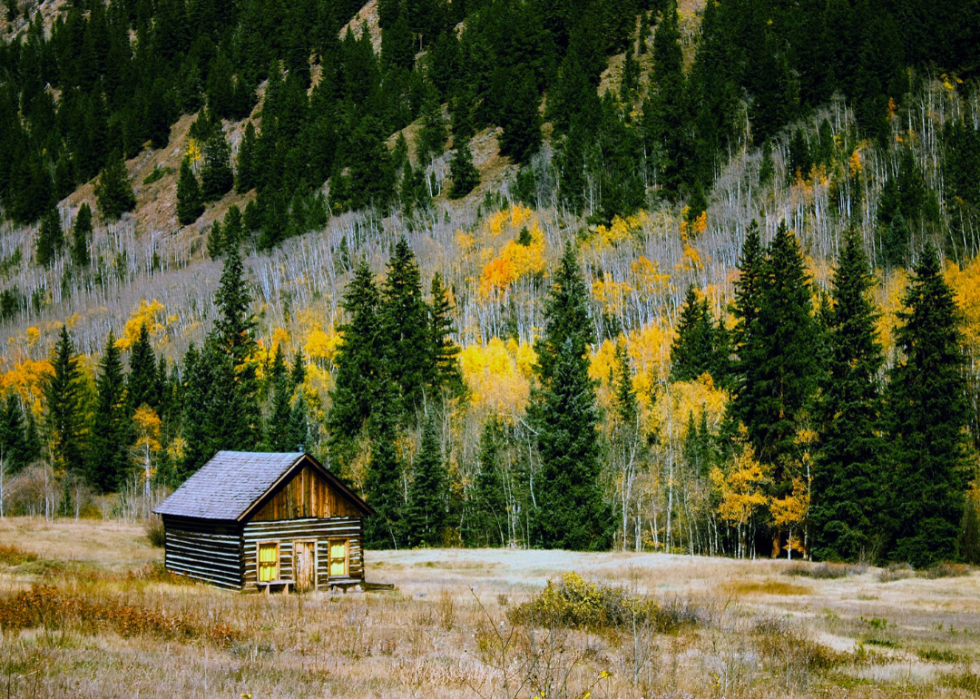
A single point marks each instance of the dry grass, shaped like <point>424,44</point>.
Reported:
<point>95,615</point>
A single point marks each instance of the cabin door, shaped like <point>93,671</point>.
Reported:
<point>304,564</point>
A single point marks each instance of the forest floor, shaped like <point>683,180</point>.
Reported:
<point>87,611</point>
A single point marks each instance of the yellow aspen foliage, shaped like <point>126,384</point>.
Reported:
<point>515,217</point>
<point>889,306</point>
<point>33,335</point>
<point>611,295</point>
<point>790,512</point>
<point>691,261</point>
<point>321,347</point>
<point>28,379</point>
<point>965,284</point>
<point>740,487</point>
<point>617,232</point>
<point>514,261</point>
<point>650,283</point>
<point>677,401</point>
<point>854,164</point>
<point>692,230</point>
<point>149,312</point>
<point>193,152</point>
<point>496,376</point>
<point>649,352</point>
<point>146,424</point>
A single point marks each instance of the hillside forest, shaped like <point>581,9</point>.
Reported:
<point>665,275</point>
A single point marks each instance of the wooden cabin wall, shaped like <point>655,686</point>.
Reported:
<point>287,531</point>
<point>203,550</point>
<point>306,494</point>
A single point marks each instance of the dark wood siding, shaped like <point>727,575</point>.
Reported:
<point>288,531</point>
<point>306,494</point>
<point>204,550</point>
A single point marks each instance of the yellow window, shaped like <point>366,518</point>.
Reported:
<point>268,562</point>
<point>338,558</point>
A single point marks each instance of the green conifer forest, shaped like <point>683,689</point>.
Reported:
<point>663,275</point>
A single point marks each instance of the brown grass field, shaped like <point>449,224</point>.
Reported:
<point>87,611</point>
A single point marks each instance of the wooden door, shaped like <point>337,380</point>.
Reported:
<point>304,564</point>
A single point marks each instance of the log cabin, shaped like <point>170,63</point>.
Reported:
<point>255,521</point>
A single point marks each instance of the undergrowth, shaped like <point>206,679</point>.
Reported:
<point>570,601</point>
<point>45,606</point>
<point>825,571</point>
<point>15,556</point>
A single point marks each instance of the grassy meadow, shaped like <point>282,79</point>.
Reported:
<point>86,610</point>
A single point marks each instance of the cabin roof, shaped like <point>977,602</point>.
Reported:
<point>229,485</point>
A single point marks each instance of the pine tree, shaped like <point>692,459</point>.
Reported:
<point>81,235</point>
<point>216,240</point>
<point>297,374</point>
<point>382,483</point>
<point>113,192</point>
<point>570,511</point>
<point>199,383</point>
<point>278,434</point>
<point>299,425</point>
<point>927,413</point>
<point>142,384</point>
<point>65,402</point>
<point>247,175</point>
<point>108,462</point>
<point>520,120</point>
<point>432,137</point>
<point>486,517</point>
<point>445,353</point>
<point>693,352</point>
<point>190,205</point>
<point>405,321</point>
<point>424,518</point>
<point>359,362</point>
<point>217,178</point>
<point>462,171</point>
<point>235,324</point>
<point>16,453</point>
<point>847,480</point>
<point>50,239</point>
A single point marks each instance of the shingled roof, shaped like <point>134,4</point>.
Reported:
<point>226,487</point>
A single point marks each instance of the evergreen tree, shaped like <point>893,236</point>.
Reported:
<point>462,171</point>
<point>190,205</point>
<point>216,241</point>
<point>299,425</point>
<point>693,352</point>
<point>143,382</point>
<point>65,402</point>
<point>81,235</point>
<point>432,137</point>
<point>199,383</point>
<point>847,480</point>
<point>278,435</point>
<point>486,520</point>
<point>50,239</point>
<point>113,192</point>
<point>408,340</point>
<point>444,352</point>
<point>108,462</point>
<point>424,517</point>
<point>520,120</point>
<point>16,452</point>
<point>247,176</point>
<point>927,413</point>
<point>235,325</point>
<point>359,362</point>
<point>382,483</point>
<point>297,374</point>
<point>217,178</point>
<point>570,511</point>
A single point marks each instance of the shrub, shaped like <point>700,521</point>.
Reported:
<point>825,571</point>
<point>896,571</point>
<point>947,569</point>
<point>573,602</point>
<point>155,531</point>
<point>14,556</point>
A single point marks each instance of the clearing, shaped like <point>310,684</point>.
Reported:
<point>87,611</point>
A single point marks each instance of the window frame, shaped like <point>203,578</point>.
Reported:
<point>258,561</point>
<point>331,559</point>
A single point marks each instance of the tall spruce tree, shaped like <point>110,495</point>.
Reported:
<point>693,350</point>
<point>462,171</point>
<point>425,512</point>
<point>247,176</point>
<point>570,510</point>
<point>108,455</point>
<point>486,511</point>
<point>445,369</point>
<point>927,415</point>
<point>847,478</point>
<point>278,435</point>
<point>217,178</point>
<point>408,340</point>
<point>13,435</point>
<point>81,235</point>
<point>142,383</point>
<point>113,192</point>
<point>359,361</point>
<point>190,204</point>
<point>65,402</point>
<point>50,238</point>
<point>383,480</point>
<point>199,383</point>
